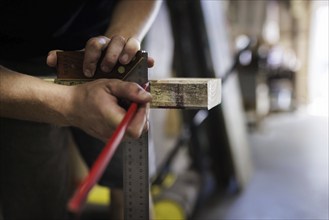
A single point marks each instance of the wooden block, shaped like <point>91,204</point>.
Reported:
<point>185,93</point>
<point>177,93</point>
<point>180,93</point>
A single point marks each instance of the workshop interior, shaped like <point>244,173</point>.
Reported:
<point>262,153</point>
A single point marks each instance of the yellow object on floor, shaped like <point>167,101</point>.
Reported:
<point>99,195</point>
<point>168,210</point>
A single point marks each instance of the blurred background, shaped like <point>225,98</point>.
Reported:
<point>263,152</point>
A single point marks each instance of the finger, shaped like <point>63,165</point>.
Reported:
<point>150,62</point>
<point>93,52</point>
<point>129,90</point>
<point>147,123</point>
<point>52,58</point>
<point>146,126</point>
<point>129,51</point>
<point>137,124</point>
<point>112,53</point>
<point>114,116</point>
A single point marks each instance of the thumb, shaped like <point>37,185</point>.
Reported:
<point>52,58</point>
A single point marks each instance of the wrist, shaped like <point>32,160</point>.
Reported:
<point>65,105</point>
<point>57,101</point>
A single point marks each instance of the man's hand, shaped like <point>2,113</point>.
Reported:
<point>116,49</point>
<point>94,107</point>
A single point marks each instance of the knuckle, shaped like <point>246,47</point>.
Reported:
<point>132,88</point>
<point>94,43</point>
<point>113,85</point>
<point>119,38</point>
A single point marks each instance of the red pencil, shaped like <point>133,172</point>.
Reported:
<point>76,202</point>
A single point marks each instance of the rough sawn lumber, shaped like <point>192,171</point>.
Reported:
<point>178,93</point>
<point>187,93</point>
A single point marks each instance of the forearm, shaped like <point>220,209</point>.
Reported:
<point>29,98</point>
<point>133,18</point>
<point>91,106</point>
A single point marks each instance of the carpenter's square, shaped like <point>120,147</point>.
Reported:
<point>136,174</point>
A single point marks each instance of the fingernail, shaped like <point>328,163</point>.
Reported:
<point>105,69</point>
<point>88,73</point>
<point>145,94</point>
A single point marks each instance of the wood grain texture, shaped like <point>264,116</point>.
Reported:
<point>177,93</point>
<point>185,93</point>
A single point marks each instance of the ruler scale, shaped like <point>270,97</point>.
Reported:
<point>136,179</point>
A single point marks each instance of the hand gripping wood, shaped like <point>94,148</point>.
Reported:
<point>135,162</point>
<point>185,93</point>
<point>180,93</point>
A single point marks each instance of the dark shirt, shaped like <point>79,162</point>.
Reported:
<point>31,28</point>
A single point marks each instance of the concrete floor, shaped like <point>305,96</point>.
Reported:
<point>290,176</point>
